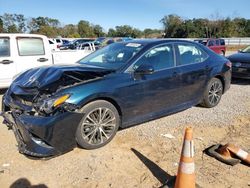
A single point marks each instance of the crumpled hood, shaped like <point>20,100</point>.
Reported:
<point>240,57</point>
<point>44,77</point>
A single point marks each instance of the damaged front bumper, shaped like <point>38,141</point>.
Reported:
<point>40,136</point>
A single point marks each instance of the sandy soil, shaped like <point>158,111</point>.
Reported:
<point>134,159</point>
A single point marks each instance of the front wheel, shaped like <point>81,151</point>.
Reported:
<point>213,93</point>
<point>98,126</point>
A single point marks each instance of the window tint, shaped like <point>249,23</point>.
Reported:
<point>4,47</point>
<point>211,43</point>
<point>190,54</point>
<point>222,42</point>
<point>30,46</point>
<point>159,57</point>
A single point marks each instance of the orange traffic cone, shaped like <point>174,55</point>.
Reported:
<point>186,177</point>
<point>243,155</point>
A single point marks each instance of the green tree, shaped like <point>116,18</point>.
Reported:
<point>1,25</point>
<point>111,32</point>
<point>70,30</point>
<point>98,31</point>
<point>172,25</point>
<point>85,29</point>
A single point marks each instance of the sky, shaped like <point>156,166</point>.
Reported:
<point>140,14</point>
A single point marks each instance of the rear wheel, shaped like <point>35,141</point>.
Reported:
<point>213,93</point>
<point>222,53</point>
<point>98,126</point>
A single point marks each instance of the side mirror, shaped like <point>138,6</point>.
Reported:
<point>144,69</point>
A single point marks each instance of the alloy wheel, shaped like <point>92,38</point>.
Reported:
<point>215,93</point>
<point>98,126</point>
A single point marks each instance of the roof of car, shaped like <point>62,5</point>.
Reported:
<point>155,41</point>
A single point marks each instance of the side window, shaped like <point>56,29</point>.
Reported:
<point>189,54</point>
<point>211,43</point>
<point>30,46</point>
<point>217,42</point>
<point>4,47</point>
<point>159,57</point>
<point>222,42</point>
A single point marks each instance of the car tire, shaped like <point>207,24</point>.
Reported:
<point>213,93</point>
<point>99,124</point>
<point>222,53</point>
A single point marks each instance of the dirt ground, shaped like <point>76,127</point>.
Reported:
<point>140,156</point>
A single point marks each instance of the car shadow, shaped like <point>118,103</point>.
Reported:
<point>25,183</point>
<point>158,172</point>
<point>239,81</point>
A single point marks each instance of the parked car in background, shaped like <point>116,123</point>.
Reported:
<point>19,52</point>
<point>217,45</point>
<point>74,44</point>
<point>54,108</point>
<point>53,45</point>
<point>241,63</point>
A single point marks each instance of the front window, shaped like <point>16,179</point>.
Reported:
<point>113,56</point>
<point>4,47</point>
<point>160,57</point>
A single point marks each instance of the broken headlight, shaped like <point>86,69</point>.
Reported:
<point>49,104</point>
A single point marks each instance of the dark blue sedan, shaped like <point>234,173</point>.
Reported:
<point>52,109</point>
<point>241,63</point>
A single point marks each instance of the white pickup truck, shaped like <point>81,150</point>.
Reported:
<point>19,52</point>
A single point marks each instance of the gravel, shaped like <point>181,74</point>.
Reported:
<point>117,165</point>
<point>234,103</point>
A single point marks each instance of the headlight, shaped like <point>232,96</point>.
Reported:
<point>48,105</point>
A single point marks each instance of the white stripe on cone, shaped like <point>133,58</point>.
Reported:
<point>242,154</point>
<point>187,168</point>
<point>188,148</point>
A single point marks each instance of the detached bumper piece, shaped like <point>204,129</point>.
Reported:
<point>39,136</point>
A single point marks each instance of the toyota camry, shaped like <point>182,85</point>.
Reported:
<point>52,109</point>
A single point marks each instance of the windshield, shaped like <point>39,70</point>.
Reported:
<point>201,42</point>
<point>246,50</point>
<point>113,56</point>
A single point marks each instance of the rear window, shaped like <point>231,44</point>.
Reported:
<point>222,42</point>
<point>4,47</point>
<point>30,46</point>
<point>218,43</point>
<point>58,41</point>
<point>189,54</point>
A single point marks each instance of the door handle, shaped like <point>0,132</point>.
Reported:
<point>6,62</point>
<point>42,59</point>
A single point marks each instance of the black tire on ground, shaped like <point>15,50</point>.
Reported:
<point>222,53</point>
<point>213,93</point>
<point>99,124</point>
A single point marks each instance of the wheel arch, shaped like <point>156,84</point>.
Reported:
<point>221,78</point>
<point>108,99</point>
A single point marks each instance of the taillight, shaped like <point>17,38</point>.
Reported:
<point>229,64</point>
<point>58,46</point>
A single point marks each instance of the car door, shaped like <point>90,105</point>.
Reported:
<point>194,66</point>
<point>212,45</point>
<point>32,52</point>
<point>7,61</point>
<point>159,91</point>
